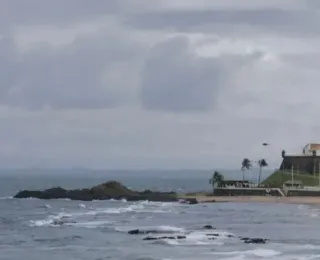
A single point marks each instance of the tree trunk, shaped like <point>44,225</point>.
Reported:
<point>259,176</point>
<point>243,175</point>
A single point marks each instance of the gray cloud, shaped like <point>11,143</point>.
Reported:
<point>59,12</point>
<point>308,60</point>
<point>270,20</point>
<point>7,66</point>
<point>79,59</point>
<point>66,76</point>
<point>176,79</point>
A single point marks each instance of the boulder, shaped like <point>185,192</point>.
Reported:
<point>104,191</point>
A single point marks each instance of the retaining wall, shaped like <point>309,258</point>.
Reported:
<point>303,193</point>
<point>246,192</point>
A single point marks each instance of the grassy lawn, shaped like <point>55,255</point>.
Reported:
<point>278,178</point>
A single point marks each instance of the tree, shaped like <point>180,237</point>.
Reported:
<point>262,163</point>
<point>246,165</point>
<point>216,180</point>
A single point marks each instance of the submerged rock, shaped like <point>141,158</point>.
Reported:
<point>104,191</point>
<point>254,240</point>
<point>149,231</point>
<point>165,237</point>
<point>189,201</point>
<point>208,227</point>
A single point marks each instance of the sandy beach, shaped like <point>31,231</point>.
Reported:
<point>260,199</point>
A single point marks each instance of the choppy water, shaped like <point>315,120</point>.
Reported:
<point>95,230</point>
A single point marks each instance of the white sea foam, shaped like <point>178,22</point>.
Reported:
<point>143,207</point>
<point>160,229</point>
<point>90,224</point>
<point>6,198</point>
<point>257,252</point>
<point>82,206</point>
<point>50,220</point>
<point>262,252</point>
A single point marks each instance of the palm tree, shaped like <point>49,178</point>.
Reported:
<point>262,163</point>
<point>216,180</point>
<point>246,165</point>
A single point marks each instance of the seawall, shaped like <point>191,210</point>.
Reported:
<point>246,192</point>
<point>303,193</point>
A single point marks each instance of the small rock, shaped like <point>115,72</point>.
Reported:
<point>190,201</point>
<point>254,240</point>
<point>164,237</point>
<point>208,227</point>
<point>212,235</point>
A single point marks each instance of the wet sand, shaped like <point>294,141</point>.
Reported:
<point>260,199</point>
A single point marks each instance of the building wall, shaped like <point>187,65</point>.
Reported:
<point>302,164</point>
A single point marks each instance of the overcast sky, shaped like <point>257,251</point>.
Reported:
<point>157,84</point>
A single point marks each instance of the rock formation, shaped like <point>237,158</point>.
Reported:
<point>104,191</point>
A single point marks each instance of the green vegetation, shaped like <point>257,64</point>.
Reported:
<point>278,178</point>
<point>262,163</point>
<point>216,179</point>
<point>246,165</point>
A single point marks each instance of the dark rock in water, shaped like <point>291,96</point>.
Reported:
<point>208,227</point>
<point>104,191</point>
<point>165,237</point>
<point>141,232</point>
<point>217,235</point>
<point>190,201</point>
<point>60,222</point>
<point>254,240</point>
<point>149,231</point>
<point>135,232</point>
<point>212,235</point>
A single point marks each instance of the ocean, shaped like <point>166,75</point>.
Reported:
<point>64,229</point>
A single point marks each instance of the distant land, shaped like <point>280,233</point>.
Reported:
<point>113,173</point>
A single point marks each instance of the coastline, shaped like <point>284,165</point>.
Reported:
<point>255,199</point>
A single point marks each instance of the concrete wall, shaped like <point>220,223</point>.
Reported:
<point>302,164</point>
<point>245,192</point>
<point>304,193</point>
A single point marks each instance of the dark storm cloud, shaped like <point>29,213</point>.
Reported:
<point>271,20</point>
<point>176,79</point>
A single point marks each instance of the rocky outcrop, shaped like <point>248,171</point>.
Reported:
<point>104,191</point>
<point>209,237</point>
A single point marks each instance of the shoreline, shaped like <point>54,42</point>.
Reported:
<point>255,199</point>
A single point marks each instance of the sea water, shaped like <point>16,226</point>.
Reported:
<point>64,229</point>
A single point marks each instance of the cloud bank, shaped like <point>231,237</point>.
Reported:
<point>157,85</point>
